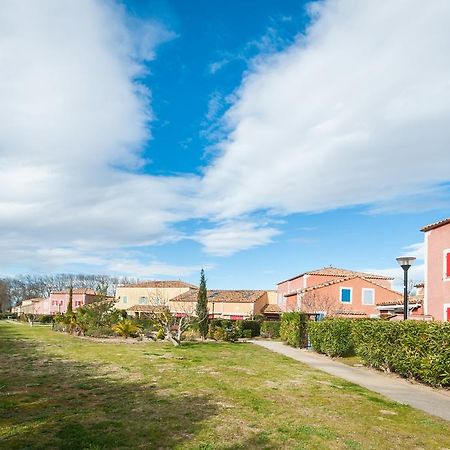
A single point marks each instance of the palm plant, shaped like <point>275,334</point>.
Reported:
<point>126,328</point>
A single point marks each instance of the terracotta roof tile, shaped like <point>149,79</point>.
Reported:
<point>413,299</point>
<point>160,284</point>
<point>337,272</point>
<point>146,308</point>
<point>434,225</point>
<point>350,313</point>
<point>271,309</point>
<point>222,296</point>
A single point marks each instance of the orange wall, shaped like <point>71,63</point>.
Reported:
<point>357,285</point>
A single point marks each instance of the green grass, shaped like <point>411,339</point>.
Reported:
<point>58,391</point>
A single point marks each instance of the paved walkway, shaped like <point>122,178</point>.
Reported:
<point>418,396</point>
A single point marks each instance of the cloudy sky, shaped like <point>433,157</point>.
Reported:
<point>256,138</point>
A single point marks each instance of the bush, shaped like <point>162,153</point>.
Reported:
<point>247,333</point>
<point>160,334</point>
<point>254,326</point>
<point>126,328</point>
<point>293,328</point>
<point>99,332</point>
<point>46,319</point>
<point>271,329</point>
<point>7,315</point>
<point>410,348</point>
<point>332,336</point>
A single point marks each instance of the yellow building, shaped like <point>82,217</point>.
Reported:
<point>225,304</point>
<point>153,293</point>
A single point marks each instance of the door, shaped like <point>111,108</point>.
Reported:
<point>448,314</point>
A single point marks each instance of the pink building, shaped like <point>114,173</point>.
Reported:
<point>59,300</point>
<point>336,291</point>
<point>437,270</point>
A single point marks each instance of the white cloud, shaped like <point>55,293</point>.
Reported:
<point>355,112</point>
<point>415,273</point>
<point>73,122</point>
<point>229,237</point>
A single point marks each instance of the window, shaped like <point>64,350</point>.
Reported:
<point>346,295</point>
<point>447,263</point>
<point>125,299</point>
<point>368,296</point>
<point>78,303</point>
<point>142,300</point>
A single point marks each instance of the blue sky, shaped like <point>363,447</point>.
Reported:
<point>257,139</point>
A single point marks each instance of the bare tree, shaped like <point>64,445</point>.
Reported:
<point>173,324</point>
<point>313,302</point>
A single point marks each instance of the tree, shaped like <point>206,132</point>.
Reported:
<point>173,325</point>
<point>202,307</point>
<point>70,304</point>
<point>314,303</point>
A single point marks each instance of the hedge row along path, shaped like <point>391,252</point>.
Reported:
<point>418,396</point>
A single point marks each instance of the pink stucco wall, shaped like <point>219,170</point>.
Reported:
<point>58,301</point>
<point>437,283</point>
<point>332,296</point>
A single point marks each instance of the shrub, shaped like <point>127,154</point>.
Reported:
<point>7,315</point>
<point>247,333</point>
<point>126,328</point>
<point>99,332</point>
<point>253,325</point>
<point>270,329</point>
<point>219,334</point>
<point>293,328</point>
<point>160,334</point>
<point>46,319</point>
<point>332,336</point>
<point>410,348</point>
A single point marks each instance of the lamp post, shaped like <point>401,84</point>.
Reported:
<point>405,263</point>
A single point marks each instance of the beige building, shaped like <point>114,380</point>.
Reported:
<point>29,306</point>
<point>225,304</point>
<point>153,293</point>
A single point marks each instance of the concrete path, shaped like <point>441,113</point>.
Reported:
<point>418,396</point>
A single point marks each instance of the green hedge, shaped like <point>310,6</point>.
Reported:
<point>271,329</point>
<point>293,328</point>
<point>332,336</point>
<point>410,348</point>
<point>413,349</point>
<point>253,325</point>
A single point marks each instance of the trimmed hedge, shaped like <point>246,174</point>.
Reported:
<point>271,329</point>
<point>254,326</point>
<point>332,336</point>
<point>413,349</point>
<point>410,348</point>
<point>293,329</point>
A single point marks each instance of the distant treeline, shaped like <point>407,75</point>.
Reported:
<point>13,290</point>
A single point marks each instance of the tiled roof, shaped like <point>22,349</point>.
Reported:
<point>413,300</point>
<point>350,313</point>
<point>438,224</point>
<point>161,284</point>
<point>34,300</point>
<point>77,291</point>
<point>337,281</point>
<point>221,296</point>
<point>419,285</point>
<point>271,309</point>
<point>337,272</point>
<point>146,308</point>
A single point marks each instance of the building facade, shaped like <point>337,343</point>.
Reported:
<point>150,293</point>
<point>338,292</point>
<point>59,300</point>
<point>437,270</point>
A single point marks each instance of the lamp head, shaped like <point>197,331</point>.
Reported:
<point>406,261</point>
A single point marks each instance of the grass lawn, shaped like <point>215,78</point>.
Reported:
<point>58,391</point>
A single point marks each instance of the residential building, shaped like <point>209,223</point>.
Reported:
<point>225,304</point>
<point>335,291</point>
<point>437,270</point>
<point>394,307</point>
<point>59,300</point>
<point>28,306</point>
<point>150,293</point>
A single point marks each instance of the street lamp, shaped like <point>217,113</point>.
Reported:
<point>405,263</point>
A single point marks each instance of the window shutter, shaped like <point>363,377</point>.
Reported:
<point>447,265</point>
